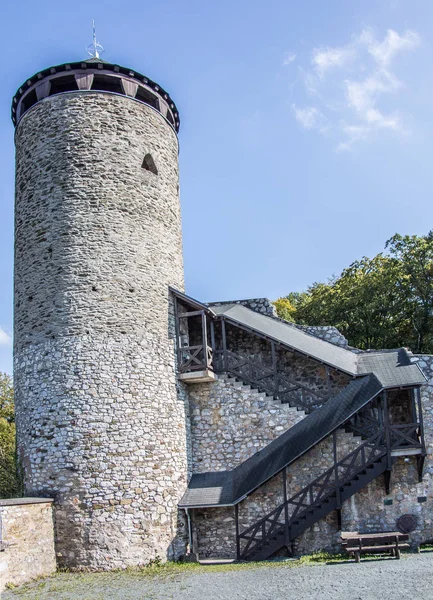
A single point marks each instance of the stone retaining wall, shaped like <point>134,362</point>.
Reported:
<point>26,540</point>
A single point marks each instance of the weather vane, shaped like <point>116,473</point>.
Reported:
<point>95,49</point>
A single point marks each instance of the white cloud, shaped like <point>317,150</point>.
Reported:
<point>5,339</point>
<point>385,51</point>
<point>362,97</point>
<point>310,118</point>
<point>325,59</point>
<point>349,84</point>
<point>289,59</point>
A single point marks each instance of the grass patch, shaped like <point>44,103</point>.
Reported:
<point>323,557</point>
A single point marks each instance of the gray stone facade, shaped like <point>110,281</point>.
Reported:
<point>230,422</point>
<point>101,425</point>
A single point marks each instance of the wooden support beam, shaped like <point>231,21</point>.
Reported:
<point>204,333</point>
<point>286,506</point>
<point>337,482</point>
<point>43,89</point>
<point>84,80</point>
<point>212,335</point>
<point>224,340</point>
<point>177,332</point>
<point>238,541</point>
<point>420,418</point>
<point>274,365</point>
<point>387,432</point>
<point>129,87</point>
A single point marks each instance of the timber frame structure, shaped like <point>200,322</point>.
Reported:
<point>381,404</point>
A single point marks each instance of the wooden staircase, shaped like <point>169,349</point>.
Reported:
<point>283,525</point>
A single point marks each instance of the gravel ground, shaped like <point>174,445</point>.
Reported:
<point>388,579</point>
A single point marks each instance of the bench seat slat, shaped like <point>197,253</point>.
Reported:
<point>377,548</point>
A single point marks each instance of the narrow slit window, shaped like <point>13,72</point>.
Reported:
<point>149,164</point>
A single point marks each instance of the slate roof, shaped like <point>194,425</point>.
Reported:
<point>393,368</point>
<point>229,487</point>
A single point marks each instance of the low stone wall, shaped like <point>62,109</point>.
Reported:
<point>328,333</point>
<point>26,540</point>
<point>260,305</point>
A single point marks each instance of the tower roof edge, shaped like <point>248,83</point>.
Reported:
<point>94,75</point>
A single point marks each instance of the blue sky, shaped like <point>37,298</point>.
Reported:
<point>306,130</point>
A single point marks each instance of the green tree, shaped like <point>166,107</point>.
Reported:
<point>415,255</point>
<point>9,484</point>
<point>380,302</point>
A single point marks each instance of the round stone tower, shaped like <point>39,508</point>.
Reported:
<point>100,425</point>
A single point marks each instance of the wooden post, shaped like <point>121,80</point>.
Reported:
<point>420,416</point>
<point>337,484</point>
<point>388,443</point>
<point>238,541</point>
<point>387,431</point>
<point>274,367</point>
<point>212,343</point>
<point>204,333</point>
<point>177,330</point>
<point>413,404</point>
<point>286,507</point>
<point>224,340</point>
<point>420,459</point>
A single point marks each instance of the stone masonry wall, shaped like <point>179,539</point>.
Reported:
<point>261,305</point>
<point>102,424</point>
<point>329,334</point>
<point>26,540</point>
<point>215,528</point>
<point>230,422</point>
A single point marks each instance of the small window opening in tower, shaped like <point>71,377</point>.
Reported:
<point>149,164</point>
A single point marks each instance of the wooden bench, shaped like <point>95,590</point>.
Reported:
<point>370,543</point>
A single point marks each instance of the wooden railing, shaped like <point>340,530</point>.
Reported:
<point>303,504</point>
<point>407,435</point>
<point>269,380</point>
<point>195,358</point>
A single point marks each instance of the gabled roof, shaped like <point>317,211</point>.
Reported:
<point>230,487</point>
<point>393,368</point>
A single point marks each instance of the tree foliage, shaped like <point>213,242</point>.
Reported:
<point>380,302</point>
<point>9,484</point>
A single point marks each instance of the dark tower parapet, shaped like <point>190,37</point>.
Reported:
<point>93,75</point>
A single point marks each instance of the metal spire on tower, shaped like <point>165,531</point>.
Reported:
<point>95,49</point>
